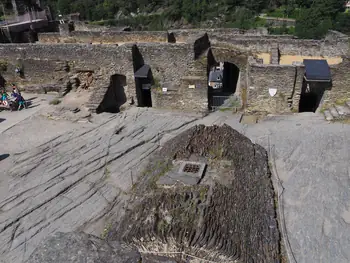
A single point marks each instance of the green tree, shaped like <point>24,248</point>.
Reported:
<point>310,24</point>
<point>342,23</point>
<point>64,6</point>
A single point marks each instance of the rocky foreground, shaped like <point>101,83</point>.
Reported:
<point>310,159</point>
<point>110,181</point>
<point>222,212</point>
<point>78,180</point>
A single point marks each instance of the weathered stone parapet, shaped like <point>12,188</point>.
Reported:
<point>64,30</point>
<point>262,80</point>
<point>105,37</point>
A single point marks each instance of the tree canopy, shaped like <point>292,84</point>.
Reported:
<point>314,17</point>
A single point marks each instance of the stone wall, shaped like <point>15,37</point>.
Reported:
<point>288,82</point>
<point>174,67</point>
<point>278,22</point>
<point>252,41</point>
<point>340,91</point>
<point>184,35</point>
<point>287,45</point>
<point>105,37</point>
<point>263,77</point>
<point>170,63</point>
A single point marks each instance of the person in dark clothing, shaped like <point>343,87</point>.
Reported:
<point>18,97</point>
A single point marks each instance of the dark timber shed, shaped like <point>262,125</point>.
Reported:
<point>317,70</point>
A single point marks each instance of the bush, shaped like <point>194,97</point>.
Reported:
<point>55,102</point>
<point>311,24</point>
<point>281,30</point>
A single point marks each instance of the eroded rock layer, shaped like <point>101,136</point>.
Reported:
<point>224,214</point>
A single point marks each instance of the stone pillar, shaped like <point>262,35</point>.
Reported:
<point>297,88</point>
<point>64,30</point>
<point>275,59</point>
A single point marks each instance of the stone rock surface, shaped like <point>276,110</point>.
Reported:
<point>81,247</point>
<point>228,216</point>
<point>78,179</point>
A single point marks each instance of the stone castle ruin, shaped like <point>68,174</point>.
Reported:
<point>171,69</point>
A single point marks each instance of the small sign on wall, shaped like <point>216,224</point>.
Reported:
<point>272,91</point>
<point>164,89</point>
<point>191,86</point>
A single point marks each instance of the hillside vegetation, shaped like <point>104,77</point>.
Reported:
<point>314,17</point>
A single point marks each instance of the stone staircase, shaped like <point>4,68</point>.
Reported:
<point>338,112</point>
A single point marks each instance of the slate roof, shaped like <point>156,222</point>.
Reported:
<point>142,72</point>
<point>317,70</point>
<point>216,76</point>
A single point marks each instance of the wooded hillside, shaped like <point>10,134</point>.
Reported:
<point>314,17</point>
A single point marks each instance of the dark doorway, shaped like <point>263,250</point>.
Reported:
<point>171,38</point>
<point>231,75</point>
<point>144,81</point>
<point>115,95</point>
<point>311,95</point>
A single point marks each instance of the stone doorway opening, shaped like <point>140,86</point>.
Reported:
<point>317,79</point>
<point>223,80</point>
<point>144,82</point>
<point>311,96</point>
<point>231,77</point>
<point>115,95</point>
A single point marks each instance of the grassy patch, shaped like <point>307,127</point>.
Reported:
<point>341,101</point>
<point>106,230</point>
<point>344,121</point>
<point>203,193</point>
<point>244,96</point>
<point>225,109</point>
<point>55,102</point>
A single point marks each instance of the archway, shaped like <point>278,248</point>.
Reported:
<point>223,78</point>
<point>115,95</point>
<point>311,95</point>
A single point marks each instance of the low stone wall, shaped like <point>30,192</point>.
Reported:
<point>288,82</point>
<point>252,41</point>
<point>286,45</point>
<point>278,22</point>
<point>105,37</point>
<point>183,35</point>
<point>183,98</point>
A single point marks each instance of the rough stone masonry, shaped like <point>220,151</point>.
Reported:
<point>176,64</point>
